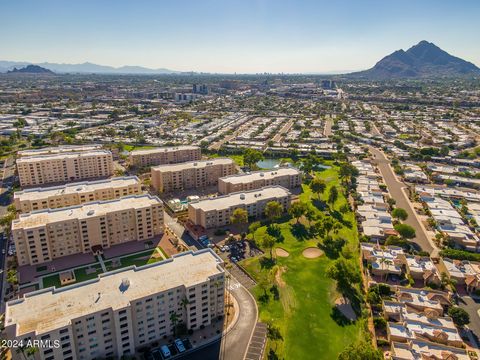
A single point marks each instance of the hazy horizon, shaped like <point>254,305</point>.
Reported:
<point>284,36</point>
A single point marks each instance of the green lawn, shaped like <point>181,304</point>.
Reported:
<point>306,295</point>
<point>238,159</point>
<point>141,258</point>
<point>81,275</point>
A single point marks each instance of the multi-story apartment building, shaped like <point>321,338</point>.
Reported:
<point>191,175</point>
<point>44,235</point>
<point>216,212</point>
<point>64,167</point>
<point>289,178</point>
<point>59,150</point>
<point>120,311</point>
<point>167,155</point>
<point>76,193</point>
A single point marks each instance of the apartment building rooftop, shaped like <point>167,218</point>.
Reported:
<point>48,309</point>
<point>244,197</point>
<point>43,217</point>
<point>192,164</point>
<point>58,150</point>
<point>54,156</point>
<point>72,188</point>
<point>259,175</point>
<point>163,149</point>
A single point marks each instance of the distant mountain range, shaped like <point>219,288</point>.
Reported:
<point>422,60</point>
<point>31,69</point>
<point>85,68</point>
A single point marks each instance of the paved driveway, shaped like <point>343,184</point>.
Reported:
<point>395,189</point>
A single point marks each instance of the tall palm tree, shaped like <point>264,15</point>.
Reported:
<point>184,303</point>
<point>174,320</point>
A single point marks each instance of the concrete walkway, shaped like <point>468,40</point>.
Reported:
<point>102,264</point>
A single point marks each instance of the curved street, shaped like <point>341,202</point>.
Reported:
<point>234,345</point>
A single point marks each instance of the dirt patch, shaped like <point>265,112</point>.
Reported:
<point>278,276</point>
<point>281,252</point>
<point>312,253</point>
<point>344,306</point>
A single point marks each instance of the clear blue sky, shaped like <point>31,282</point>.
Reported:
<point>244,36</point>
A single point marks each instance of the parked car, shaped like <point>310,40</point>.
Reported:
<point>179,345</point>
<point>165,351</point>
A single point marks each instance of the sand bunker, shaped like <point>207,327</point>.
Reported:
<point>281,252</point>
<point>312,253</point>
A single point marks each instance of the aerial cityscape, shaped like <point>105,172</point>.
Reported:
<point>254,180</point>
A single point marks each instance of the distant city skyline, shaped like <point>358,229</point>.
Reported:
<point>234,36</point>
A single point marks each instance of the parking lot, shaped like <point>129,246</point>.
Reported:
<point>169,351</point>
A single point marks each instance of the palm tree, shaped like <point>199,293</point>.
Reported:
<point>184,303</point>
<point>174,320</point>
<point>388,262</point>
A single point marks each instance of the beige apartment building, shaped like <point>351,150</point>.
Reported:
<point>64,167</point>
<point>191,175</point>
<point>162,156</point>
<point>216,212</point>
<point>120,311</point>
<point>289,178</point>
<point>76,193</point>
<point>44,235</point>
<point>59,150</point>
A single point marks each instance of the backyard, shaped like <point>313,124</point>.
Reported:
<point>91,271</point>
<point>300,306</point>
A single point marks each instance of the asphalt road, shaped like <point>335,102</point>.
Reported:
<point>234,345</point>
<point>472,306</point>
<point>327,131</point>
<point>285,128</point>
<point>395,188</point>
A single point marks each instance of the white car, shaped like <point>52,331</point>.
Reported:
<point>179,345</point>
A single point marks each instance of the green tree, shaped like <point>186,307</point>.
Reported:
<point>399,213</point>
<point>361,350</point>
<point>268,242</point>
<point>459,316</point>
<point>333,195</point>
<point>273,210</point>
<point>297,210</point>
<point>344,273</point>
<point>251,157</point>
<point>405,231</point>
<point>318,186</point>
<point>239,216</point>
<point>253,228</point>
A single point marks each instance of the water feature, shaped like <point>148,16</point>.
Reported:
<point>268,163</point>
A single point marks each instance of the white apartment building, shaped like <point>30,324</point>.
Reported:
<point>44,235</point>
<point>120,311</point>
<point>191,175</point>
<point>288,178</point>
<point>64,167</point>
<point>76,193</point>
<point>167,155</point>
<point>216,212</point>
